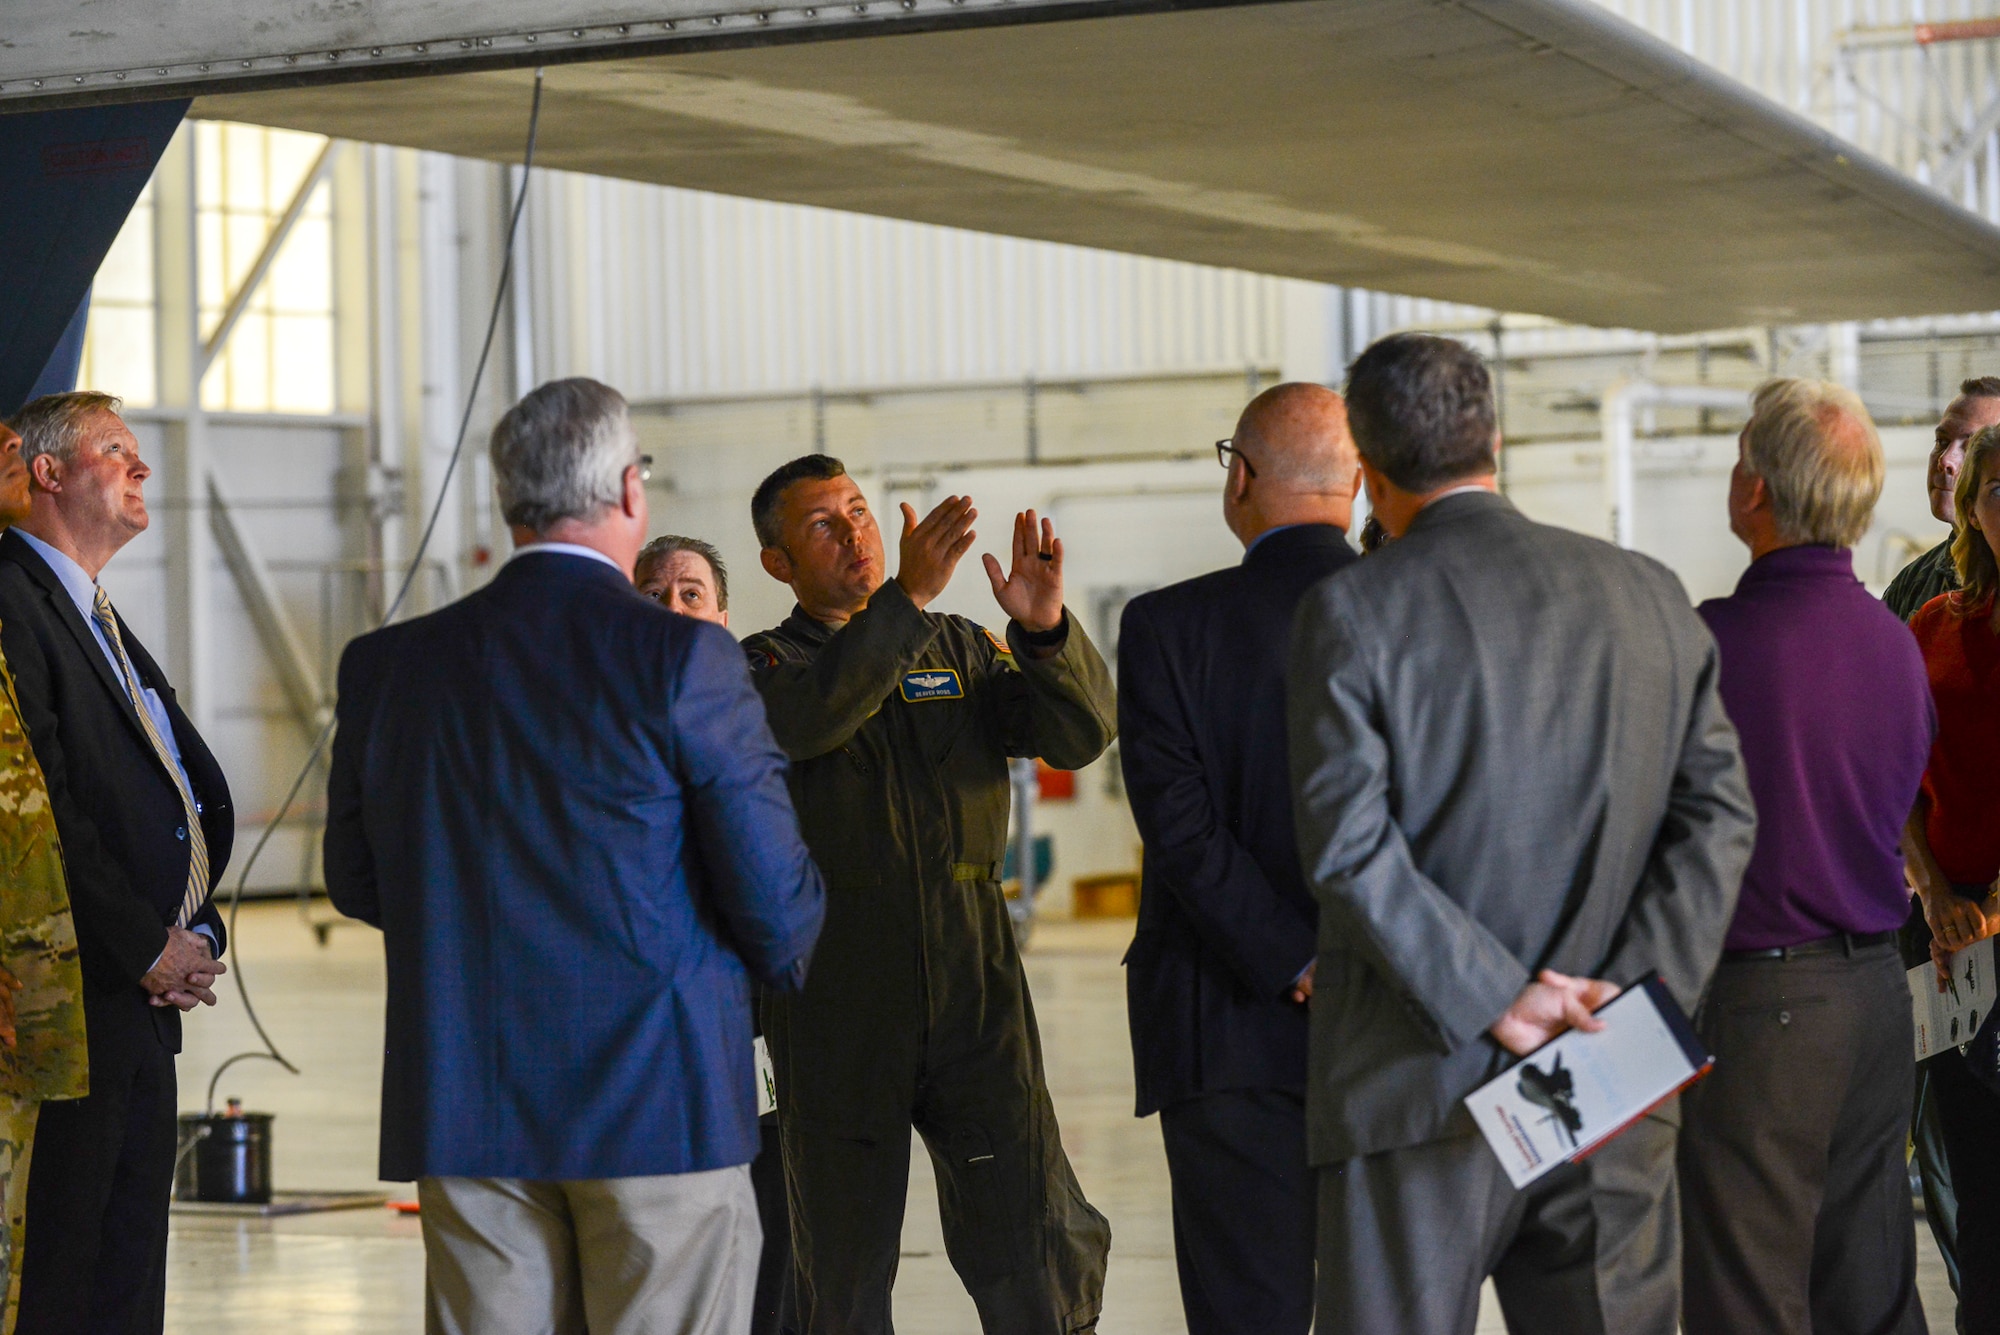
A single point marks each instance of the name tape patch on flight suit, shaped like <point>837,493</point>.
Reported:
<point>932,684</point>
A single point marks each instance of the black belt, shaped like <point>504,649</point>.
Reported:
<point>1840,943</point>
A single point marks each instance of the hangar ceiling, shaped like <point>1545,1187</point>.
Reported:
<point>1529,155</point>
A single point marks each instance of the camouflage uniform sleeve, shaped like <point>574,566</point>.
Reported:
<point>107,909</point>
<point>37,934</point>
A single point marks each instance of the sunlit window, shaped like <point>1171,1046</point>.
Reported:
<point>279,357</point>
<point>118,339</point>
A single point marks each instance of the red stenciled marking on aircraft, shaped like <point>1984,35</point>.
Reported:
<point>99,157</point>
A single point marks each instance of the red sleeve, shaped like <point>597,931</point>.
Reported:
<point>1924,622</point>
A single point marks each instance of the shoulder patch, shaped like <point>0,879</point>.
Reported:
<point>761,660</point>
<point>940,683</point>
<point>1000,646</point>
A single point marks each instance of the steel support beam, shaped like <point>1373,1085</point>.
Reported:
<point>1958,154</point>
<point>275,631</point>
<point>239,300</point>
<point>177,340</point>
<point>1621,401</point>
<point>1918,34</point>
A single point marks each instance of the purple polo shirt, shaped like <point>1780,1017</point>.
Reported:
<point>1827,690</point>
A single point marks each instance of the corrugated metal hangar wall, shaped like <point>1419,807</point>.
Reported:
<point>311,411</point>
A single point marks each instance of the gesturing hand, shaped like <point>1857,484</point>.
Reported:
<point>929,551</point>
<point>1031,593</point>
<point>1549,1005</point>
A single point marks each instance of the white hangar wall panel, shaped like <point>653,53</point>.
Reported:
<point>1839,62</point>
<point>674,294</point>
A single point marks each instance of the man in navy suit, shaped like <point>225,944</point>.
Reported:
<point>1220,971</point>
<point>561,804</point>
<point>143,815</point>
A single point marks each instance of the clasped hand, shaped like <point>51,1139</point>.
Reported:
<point>1030,592</point>
<point>1549,1005</point>
<point>184,975</point>
<point>1957,922</point>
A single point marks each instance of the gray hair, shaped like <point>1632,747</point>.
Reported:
<point>655,553</point>
<point>561,453</point>
<point>54,423</point>
<point>1816,448</point>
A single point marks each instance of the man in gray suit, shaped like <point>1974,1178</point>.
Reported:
<point>1516,792</point>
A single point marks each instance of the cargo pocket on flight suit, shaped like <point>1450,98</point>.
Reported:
<point>985,1232</point>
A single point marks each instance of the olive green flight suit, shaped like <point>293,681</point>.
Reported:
<point>915,1010</point>
<point>38,946</point>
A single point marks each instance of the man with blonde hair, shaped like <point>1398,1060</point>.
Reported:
<point>144,817</point>
<point>1795,1197</point>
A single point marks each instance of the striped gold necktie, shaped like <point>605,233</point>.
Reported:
<point>197,883</point>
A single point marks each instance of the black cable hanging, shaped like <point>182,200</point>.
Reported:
<point>270,1051</point>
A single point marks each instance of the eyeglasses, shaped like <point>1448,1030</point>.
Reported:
<point>1225,450</point>
<point>645,468</point>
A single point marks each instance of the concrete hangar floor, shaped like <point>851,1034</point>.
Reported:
<point>360,1272</point>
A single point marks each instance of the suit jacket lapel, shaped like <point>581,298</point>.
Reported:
<point>185,737</point>
<point>65,610</point>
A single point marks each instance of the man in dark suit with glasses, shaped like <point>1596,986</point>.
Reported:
<point>1218,976</point>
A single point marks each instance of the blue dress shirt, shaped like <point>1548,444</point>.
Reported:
<point>82,589</point>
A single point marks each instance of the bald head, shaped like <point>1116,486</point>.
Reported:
<point>1296,435</point>
<point>1296,462</point>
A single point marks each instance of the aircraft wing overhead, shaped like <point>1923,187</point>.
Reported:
<point>1530,155</point>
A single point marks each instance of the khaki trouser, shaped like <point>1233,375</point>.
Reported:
<point>17,1140</point>
<point>669,1255</point>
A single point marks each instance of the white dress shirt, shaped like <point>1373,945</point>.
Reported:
<point>566,549</point>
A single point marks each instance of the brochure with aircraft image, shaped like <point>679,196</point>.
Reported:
<point>1578,1090</point>
<point>1947,1012</point>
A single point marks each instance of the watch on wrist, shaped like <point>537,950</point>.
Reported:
<point>1047,639</point>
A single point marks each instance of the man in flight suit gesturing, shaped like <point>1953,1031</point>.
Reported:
<point>899,723</point>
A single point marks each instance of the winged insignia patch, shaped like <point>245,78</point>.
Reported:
<point>932,684</point>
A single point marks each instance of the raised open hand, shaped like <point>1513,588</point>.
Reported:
<point>1031,593</point>
<point>929,551</point>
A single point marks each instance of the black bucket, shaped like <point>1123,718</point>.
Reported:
<point>224,1159</point>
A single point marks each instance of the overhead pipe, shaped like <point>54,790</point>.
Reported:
<point>1616,409</point>
<point>1919,34</point>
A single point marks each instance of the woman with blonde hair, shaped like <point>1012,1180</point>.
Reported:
<point>1952,845</point>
